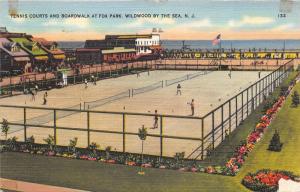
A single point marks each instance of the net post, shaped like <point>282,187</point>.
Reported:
<point>25,128</point>
<point>129,93</point>
<point>54,126</point>
<point>88,128</point>
<point>161,136</point>
<point>124,135</point>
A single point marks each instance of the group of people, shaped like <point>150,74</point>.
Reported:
<point>93,80</point>
<point>33,92</point>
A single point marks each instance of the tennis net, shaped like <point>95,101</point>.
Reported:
<point>100,102</point>
<point>176,80</point>
<point>151,87</point>
<point>194,75</point>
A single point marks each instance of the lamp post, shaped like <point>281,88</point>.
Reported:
<point>142,135</point>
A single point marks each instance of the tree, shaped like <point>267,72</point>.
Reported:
<point>275,144</point>
<point>295,99</point>
<point>5,127</point>
<point>29,142</point>
<point>142,135</point>
<point>93,146</point>
<point>50,141</point>
<point>107,151</point>
<point>72,145</point>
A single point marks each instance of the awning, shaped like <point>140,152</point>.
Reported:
<point>41,58</point>
<point>21,58</point>
<point>61,56</point>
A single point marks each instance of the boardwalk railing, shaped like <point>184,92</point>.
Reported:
<point>10,85</point>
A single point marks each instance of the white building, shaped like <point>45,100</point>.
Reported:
<point>147,44</point>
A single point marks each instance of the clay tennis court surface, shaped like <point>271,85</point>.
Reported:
<point>208,90</point>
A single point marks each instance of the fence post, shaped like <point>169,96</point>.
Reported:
<point>255,94</point>
<point>229,116</point>
<point>124,135</point>
<point>259,94</point>
<point>88,128</point>
<point>242,105</point>
<point>247,101</point>
<point>25,131</point>
<point>252,100</point>
<point>161,136</point>
<point>213,129</point>
<point>222,120</point>
<point>202,136</point>
<point>54,126</point>
<point>236,112</point>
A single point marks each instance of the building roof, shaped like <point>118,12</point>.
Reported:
<point>5,44</point>
<point>132,36</point>
<point>29,46</point>
<point>117,50</point>
<point>86,50</point>
<point>47,45</point>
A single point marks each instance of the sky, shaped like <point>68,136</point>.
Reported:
<point>233,19</point>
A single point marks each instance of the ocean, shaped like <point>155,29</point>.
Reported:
<point>206,44</point>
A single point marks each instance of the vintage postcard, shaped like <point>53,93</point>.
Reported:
<point>150,95</point>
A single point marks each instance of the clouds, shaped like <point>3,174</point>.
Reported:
<point>141,22</point>
<point>70,22</point>
<point>250,20</point>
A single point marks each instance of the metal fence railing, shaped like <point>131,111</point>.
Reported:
<point>210,130</point>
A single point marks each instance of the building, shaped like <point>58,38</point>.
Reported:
<point>39,58</point>
<point>13,57</point>
<point>86,56</point>
<point>148,44</point>
<point>96,44</point>
<point>70,54</point>
<point>118,54</point>
<point>56,56</point>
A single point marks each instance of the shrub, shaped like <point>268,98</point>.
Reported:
<point>50,141</point>
<point>275,144</point>
<point>72,144</point>
<point>283,90</point>
<point>5,127</point>
<point>295,99</point>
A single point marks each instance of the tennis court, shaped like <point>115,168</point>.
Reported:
<point>143,93</point>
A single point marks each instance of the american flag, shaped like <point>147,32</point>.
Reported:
<point>217,40</point>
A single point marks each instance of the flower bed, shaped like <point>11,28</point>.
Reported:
<point>266,180</point>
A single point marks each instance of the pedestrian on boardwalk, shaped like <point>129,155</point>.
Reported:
<point>93,79</point>
<point>259,74</point>
<point>178,89</point>
<point>229,74</point>
<point>86,83</point>
<point>192,104</point>
<point>155,125</point>
<point>36,88</point>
